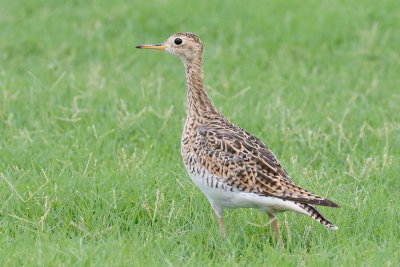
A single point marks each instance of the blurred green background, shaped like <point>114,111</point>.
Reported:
<point>90,165</point>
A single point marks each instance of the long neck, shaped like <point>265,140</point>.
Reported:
<point>198,101</point>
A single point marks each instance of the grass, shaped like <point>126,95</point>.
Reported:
<point>91,172</point>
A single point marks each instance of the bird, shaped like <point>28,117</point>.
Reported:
<point>232,167</point>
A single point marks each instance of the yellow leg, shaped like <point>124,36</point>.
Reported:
<point>275,226</point>
<point>219,211</point>
<point>222,227</point>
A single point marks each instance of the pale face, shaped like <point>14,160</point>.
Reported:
<point>185,45</point>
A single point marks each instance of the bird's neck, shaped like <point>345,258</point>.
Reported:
<point>197,99</point>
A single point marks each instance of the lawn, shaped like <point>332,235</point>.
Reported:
<point>90,164</point>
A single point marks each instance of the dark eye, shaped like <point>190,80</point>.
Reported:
<point>178,41</point>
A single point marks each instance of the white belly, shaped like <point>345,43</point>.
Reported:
<point>218,192</point>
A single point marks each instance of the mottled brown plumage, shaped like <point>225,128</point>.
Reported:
<point>232,167</point>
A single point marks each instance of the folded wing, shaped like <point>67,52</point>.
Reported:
<point>248,165</point>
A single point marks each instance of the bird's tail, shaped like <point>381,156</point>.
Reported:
<point>317,215</point>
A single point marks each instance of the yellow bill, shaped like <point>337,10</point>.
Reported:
<point>152,46</point>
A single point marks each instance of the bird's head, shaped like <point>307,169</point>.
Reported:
<point>184,44</point>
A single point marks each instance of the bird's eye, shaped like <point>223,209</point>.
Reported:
<point>178,41</point>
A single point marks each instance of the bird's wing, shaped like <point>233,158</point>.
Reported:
<point>248,165</point>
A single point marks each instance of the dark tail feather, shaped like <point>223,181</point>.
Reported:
<point>317,215</point>
<point>313,201</point>
<point>298,194</point>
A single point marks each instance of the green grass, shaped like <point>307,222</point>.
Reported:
<point>91,172</point>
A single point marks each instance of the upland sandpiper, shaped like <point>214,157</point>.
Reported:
<point>232,167</point>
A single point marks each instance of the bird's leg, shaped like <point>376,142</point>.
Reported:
<point>275,226</point>
<point>222,227</point>
<point>219,211</point>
